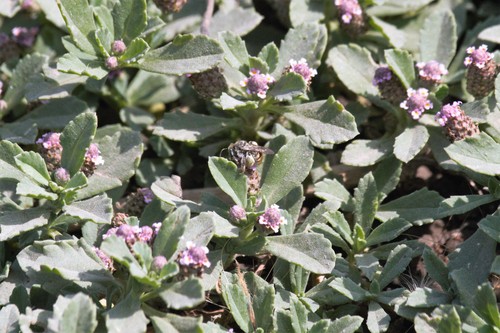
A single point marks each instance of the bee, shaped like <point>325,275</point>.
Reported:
<point>247,154</point>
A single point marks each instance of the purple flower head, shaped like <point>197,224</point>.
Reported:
<point>348,9</point>
<point>237,213</point>
<point>156,228</point>
<point>50,140</point>
<point>147,194</point>
<point>24,36</point>
<point>417,102</point>
<point>301,67</point>
<point>431,70</point>
<point>478,57</point>
<point>127,232</point>
<point>447,112</point>
<point>28,5</point>
<point>61,176</point>
<point>112,62</point>
<point>118,47</point>
<point>145,234</point>
<point>257,84</point>
<point>158,263</point>
<point>382,73</point>
<point>94,155</point>
<point>272,218</point>
<point>107,261</point>
<point>194,256</point>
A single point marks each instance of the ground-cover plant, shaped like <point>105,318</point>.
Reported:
<point>249,166</point>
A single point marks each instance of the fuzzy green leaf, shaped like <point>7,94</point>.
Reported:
<point>366,202</point>
<point>270,55</point>
<point>398,260</point>
<point>436,268</point>
<point>301,11</point>
<point>171,230</point>
<point>129,19</point>
<point>427,298</point>
<point>135,50</point>
<point>230,179</point>
<point>409,143</point>
<point>438,38</point>
<point>192,126</point>
<point>33,165</point>
<point>183,294</point>
<point>310,251</point>
<point>325,122</point>
<point>401,63</point>
<point>491,34</point>
<point>126,314</point>
<point>332,190</point>
<point>239,20</point>
<point>349,289</point>
<point>479,153</point>
<point>387,231</point>
<point>89,66</point>
<point>185,54</point>
<point>288,86</point>
<point>460,204</point>
<point>367,152</point>
<point>377,320</point>
<point>75,139</point>
<point>354,67</point>
<point>486,304</point>
<point>14,223</point>
<point>491,226</point>
<point>289,167</point>
<point>97,209</point>
<point>79,19</point>
<point>73,314</point>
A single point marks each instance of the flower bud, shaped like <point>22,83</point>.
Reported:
<point>481,72</point>
<point>431,72</point>
<point>456,123</point>
<point>209,84</point>
<point>257,83</point>
<point>61,176</point>
<point>390,86</point>
<point>118,47</point>
<point>417,102</point>
<point>352,17</point>
<point>237,213</point>
<point>112,62</point>
<point>272,219</point>
<point>158,263</point>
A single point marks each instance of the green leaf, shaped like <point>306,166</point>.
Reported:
<point>396,7</point>
<point>34,166</point>
<point>238,20</point>
<point>116,248</point>
<point>262,300</point>
<point>98,209</point>
<point>325,122</point>
<point>419,207</point>
<point>73,314</point>
<point>9,8</point>
<point>368,264</point>
<point>66,263</point>
<point>332,190</point>
<point>135,50</point>
<point>301,11</point>
<point>126,313</point>
<point>288,168</point>
<point>270,55</point>
<point>235,51</point>
<point>479,153</point>
<point>25,70</point>
<point>398,260</point>
<point>491,34</point>
<point>9,317</point>
<point>345,324</point>
<point>129,19</point>
<point>19,132</point>
<point>121,152</point>
<point>14,223</point>
<point>172,228</point>
<point>288,86</point>
<point>460,204</point>
<point>349,289</point>
<point>438,38</point>
<point>8,165</point>
<point>436,268</point>
<point>75,139</point>
<point>183,294</point>
<point>306,41</point>
<point>387,176</point>
<point>365,202</point>
<point>179,324</point>
<point>136,118</point>
<point>387,231</point>
<point>491,226</point>
<point>192,126</point>
<point>396,36</point>
<point>485,303</point>
<point>237,299</point>
<point>409,143</point>
<point>377,320</point>
<point>28,188</point>
<point>355,68</point>
<point>310,251</point>
<point>229,179</point>
<point>79,19</point>
<point>427,298</point>
<point>89,66</point>
<point>185,54</point>
<point>367,152</point>
<point>401,63</point>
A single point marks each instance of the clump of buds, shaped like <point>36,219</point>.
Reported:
<point>170,6</point>
<point>351,16</point>
<point>107,261</point>
<point>135,202</point>
<point>24,37</point>
<point>158,263</point>
<point>272,219</point>
<point>61,176</point>
<point>257,84</point>
<point>456,123</point>
<point>118,47</point>
<point>431,72</point>
<point>111,63</point>
<point>390,86</point>
<point>50,148</point>
<point>481,72</point>
<point>209,84</point>
<point>417,102</point>
<point>301,67</point>
<point>8,48</point>
<point>193,259</point>
<point>132,234</point>
<point>119,219</point>
<point>92,159</point>
<point>237,213</point>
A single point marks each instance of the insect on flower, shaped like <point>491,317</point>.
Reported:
<point>247,154</point>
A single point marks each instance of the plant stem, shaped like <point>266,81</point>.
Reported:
<point>207,17</point>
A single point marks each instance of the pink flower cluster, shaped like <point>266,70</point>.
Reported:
<point>50,140</point>
<point>194,256</point>
<point>147,194</point>
<point>272,218</point>
<point>478,57</point>
<point>447,112</point>
<point>348,9</point>
<point>24,36</point>
<point>132,234</point>
<point>382,74</point>
<point>417,102</point>
<point>93,154</point>
<point>257,83</point>
<point>431,70</point>
<point>301,67</point>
